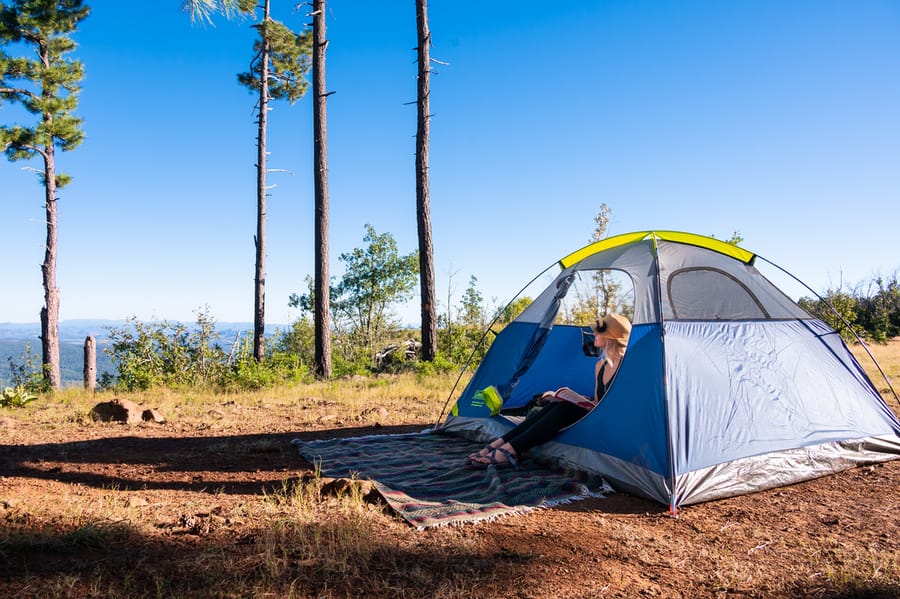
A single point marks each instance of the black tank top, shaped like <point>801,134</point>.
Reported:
<point>601,386</point>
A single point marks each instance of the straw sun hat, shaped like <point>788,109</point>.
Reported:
<point>614,326</point>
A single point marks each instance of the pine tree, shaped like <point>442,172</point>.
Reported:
<point>423,200</point>
<point>322,311</point>
<point>281,61</point>
<point>46,86</point>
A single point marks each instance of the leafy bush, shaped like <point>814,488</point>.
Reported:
<point>879,309</point>
<point>298,340</point>
<point>245,372</point>
<point>163,353</point>
<point>440,364</point>
<point>837,309</point>
<point>16,397</point>
<point>459,342</point>
<point>343,366</point>
<point>148,355</point>
<point>27,372</point>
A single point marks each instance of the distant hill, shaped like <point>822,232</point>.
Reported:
<point>71,358</point>
<point>69,330</point>
<point>14,337</point>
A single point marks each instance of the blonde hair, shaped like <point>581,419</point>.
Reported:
<point>618,343</point>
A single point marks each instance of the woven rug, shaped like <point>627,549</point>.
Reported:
<point>424,477</point>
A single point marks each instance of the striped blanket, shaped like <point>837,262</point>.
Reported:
<point>425,477</point>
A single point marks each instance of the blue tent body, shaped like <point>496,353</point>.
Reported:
<point>727,385</point>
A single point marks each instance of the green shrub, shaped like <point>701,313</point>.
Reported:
<point>16,397</point>
<point>154,354</point>
<point>27,372</point>
<point>298,340</point>
<point>246,373</point>
<point>836,308</point>
<point>439,365</point>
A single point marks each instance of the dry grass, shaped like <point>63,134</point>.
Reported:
<point>888,357</point>
<point>359,401</point>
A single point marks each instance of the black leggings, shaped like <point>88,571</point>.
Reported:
<point>543,425</point>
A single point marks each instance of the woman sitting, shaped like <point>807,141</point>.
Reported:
<point>566,407</point>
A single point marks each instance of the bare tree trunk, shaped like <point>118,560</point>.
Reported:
<point>322,309</point>
<point>90,363</point>
<point>423,207</point>
<point>259,305</point>
<point>50,311</point>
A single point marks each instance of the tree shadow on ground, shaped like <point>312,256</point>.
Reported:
<point>248,464</point>
<point>117,560</point>
<point>238,464</point>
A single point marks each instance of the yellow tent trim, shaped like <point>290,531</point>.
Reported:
<point>709,243</point>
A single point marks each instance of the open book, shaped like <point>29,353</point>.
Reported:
<point>566,394</point>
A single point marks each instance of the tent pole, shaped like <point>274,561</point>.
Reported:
<point>673,508</point>
<point>488,329</point>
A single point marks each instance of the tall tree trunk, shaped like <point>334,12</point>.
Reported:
<point>259,307</point>
<point>322,310</point>
<point>89,371</point>
<point>423,203</point>
<point>50,311</point>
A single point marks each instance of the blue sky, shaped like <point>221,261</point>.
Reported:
<point>777,119</point>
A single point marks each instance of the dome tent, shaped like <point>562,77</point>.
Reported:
<point>727,386</point>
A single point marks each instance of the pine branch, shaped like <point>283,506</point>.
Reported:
<point>22,148</point>
<point>15,91</point>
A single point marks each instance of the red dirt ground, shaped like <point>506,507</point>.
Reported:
<point>837,536</point>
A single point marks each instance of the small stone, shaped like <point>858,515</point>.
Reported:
<point>117,410</point>
<point>9,502</point>
<point>343,486</point>
<point>153,415</point>
<point>379,412</point>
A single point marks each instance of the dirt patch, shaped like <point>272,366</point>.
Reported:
<point>188,509</point>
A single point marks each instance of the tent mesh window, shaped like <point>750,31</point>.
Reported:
<point>711,294</point>
<point>594,293</point>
